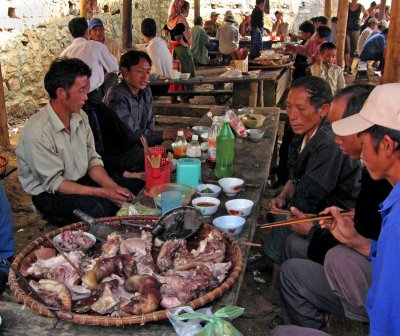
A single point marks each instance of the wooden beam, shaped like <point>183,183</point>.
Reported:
<point>196,8</point>
<point>328,9</point>
<point>392,60</point>
<point>341,34</point>
<point>4,137</point>
<point>88,8</point>
<point>382,7</point>
<point>127,24</point>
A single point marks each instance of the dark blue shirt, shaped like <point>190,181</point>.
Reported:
<point>135,112</point>
<point>6,231</point>
<point>374,47</point>
<point>383,300</point>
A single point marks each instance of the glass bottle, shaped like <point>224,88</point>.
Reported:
<point>212,142</point>
<point>193,148</point>
<point>180,145</point>
<point>225,151</point>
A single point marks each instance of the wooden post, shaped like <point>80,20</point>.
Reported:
<point>127,24</point>
<point>382,7</point>
<point>88,8</point>
<point>328,9</point>
<point>4,137</point>
<point>392,60</point>
<point>341,34</point>
<point>196,8</point>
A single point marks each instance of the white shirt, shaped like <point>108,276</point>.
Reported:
<point>333,75</point>
<point>95,55</point>
<point>366,33</point>
<point>228,37</point>
<point>160,57</point>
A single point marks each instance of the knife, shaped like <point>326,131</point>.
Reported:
<point>99,230</point>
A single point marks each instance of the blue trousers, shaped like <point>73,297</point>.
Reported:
<point>256,42</point>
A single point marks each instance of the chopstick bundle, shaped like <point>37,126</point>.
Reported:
<point>155,160</point>
<point>304,220</point>
<point>145,144</point>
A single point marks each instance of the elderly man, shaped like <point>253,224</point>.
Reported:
<point>57,161</point>
<point>378,128</point>
<point>280,27</point>
<point>96,33</point>
<point>374,48</point>
<point>93,53</point>
<point>211,26</point>
<point>319,174</point>
<point>131,100</point>
<point>228,37</point>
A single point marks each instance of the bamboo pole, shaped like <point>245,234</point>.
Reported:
<point>328,9</point>
<point>88,8</point>
<point>4,137</point>
<point>382,7</point>
<point>392,60</point>
<point>127,24</point>
<point>341,34</point>
<point>196,8</point>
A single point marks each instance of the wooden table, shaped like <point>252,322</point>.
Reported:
<point>252,163</point>
<point>245,42</point>
<point>264,90</point>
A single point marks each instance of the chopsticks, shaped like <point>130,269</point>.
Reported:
<point>249,244</point>
<point>155,160</point>
<point>304,220</point>
<point>65,257</point>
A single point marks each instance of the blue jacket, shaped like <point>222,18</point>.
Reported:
<point>374,46</point>
<point>6,230</point>
<point>383,300</point>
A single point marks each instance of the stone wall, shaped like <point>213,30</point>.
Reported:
<point>34,32</point>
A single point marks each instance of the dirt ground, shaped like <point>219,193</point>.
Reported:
<point>260,313</point>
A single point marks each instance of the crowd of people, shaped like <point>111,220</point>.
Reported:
<point>69,156</point>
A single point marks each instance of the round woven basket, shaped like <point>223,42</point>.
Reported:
<point>3,164</point>
<point>233,254</point>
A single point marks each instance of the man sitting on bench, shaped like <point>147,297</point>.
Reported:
<point>131,101</point>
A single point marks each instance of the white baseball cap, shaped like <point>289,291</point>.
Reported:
<point>382,108</point>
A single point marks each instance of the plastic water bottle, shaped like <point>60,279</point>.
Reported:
<point>212,142</point>
<point>225,151</point>
<point>180,145</point>
<point>193,148</point>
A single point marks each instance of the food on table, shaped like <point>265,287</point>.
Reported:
<point>205,204</point>
<point>75,240</point>
<point>270,62</point>
<point>207,191</point>
<point>54,293</point>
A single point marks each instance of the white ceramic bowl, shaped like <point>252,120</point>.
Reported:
<point>239,207</point>
<point>232,225</point>
<point>255,134</point>
<point>208,190</point>
<point>56,241</point>
<point>204,136</point>
<point>199,130</point>
<point>208,206</point>
<point>185,75</point>
<point>231,185</point>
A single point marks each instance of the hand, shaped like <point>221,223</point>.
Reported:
<point>341,227</point>
<point>141,175</point>
<point>277,203</point>
<point>301,228</point>
<point>318,59</point>
<point>118,195</point>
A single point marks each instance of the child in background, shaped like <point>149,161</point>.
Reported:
<point>325,67</point>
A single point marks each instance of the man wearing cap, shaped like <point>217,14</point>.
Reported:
<point>211,26</point>
<point>280,27</point>
<point>378,128</point>
<point>96,33</point>
<point>228,37</point>
<point>372,24</point>
<point>381,26</point>
<point>93,53</point>
<point>257,28</point>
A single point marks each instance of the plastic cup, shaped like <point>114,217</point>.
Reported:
<point>170,200</point>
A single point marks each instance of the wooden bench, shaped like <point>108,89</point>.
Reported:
<point>362,71</point>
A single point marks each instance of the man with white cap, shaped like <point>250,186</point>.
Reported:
<point>378,128</point>
<point>366,33</point>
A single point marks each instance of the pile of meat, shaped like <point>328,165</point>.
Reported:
<point>126,279</point>
<point>75,240</point>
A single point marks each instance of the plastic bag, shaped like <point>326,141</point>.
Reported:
<point>236,123</point>
<point>216,326</point>
<point>135,209</point>
<point>190,327</point>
